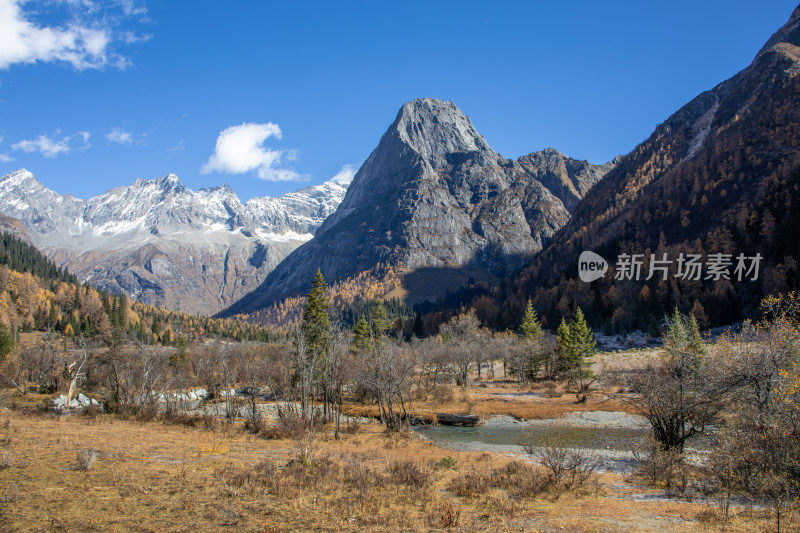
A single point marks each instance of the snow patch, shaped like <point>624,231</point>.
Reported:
<point>287,236</point>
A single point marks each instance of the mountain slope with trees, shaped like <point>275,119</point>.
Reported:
<point>37,295</point>
<point>721,175</point>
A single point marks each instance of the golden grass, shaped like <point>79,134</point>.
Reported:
<point>155,477</point>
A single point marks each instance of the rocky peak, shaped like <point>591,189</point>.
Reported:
<point>789,34</point>
<point>426,141</point>
<point>569,179</point>
<point>433,199</point>
<point>435,128</point>
<point>170,182</point>
<point>17,177</point>
<point>21,178</point>
<point>222,193</point>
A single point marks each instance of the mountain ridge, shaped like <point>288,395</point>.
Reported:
<point>720,175</point>
<point>434,195</point>
<point>164,243</point>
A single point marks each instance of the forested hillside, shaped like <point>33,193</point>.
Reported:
<point>37,295</point>
<point>722,175</point>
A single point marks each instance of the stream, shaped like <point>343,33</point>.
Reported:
<point>612,446</point>
<point>507,437</point>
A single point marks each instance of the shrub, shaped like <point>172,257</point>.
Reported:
<point>441,394</point>
<point>446,515</point>
<point>572,466</point>
<point>191,420</point>
<point>447,463</point>
<point>470,484</point>
<point>352,426</point>
<point>409,474</point>
<point>660,465</point>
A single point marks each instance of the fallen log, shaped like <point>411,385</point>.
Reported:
<point>449,419</point>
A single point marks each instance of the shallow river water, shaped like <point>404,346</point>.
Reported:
<point>507,438</point>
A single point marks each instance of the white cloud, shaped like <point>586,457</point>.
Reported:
<point>5,158</point>
<point>130,37</point>
<point>240,149</point>
<point>119,136</point>
<point>51,147</point>
<point>345,174</point>
<point>84,135</point>
<point>85,41</point>
<point>43,144</point>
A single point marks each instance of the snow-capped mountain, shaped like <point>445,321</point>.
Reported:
<point>165,244</point>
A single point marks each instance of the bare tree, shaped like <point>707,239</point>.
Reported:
<point>75,371</point>
<point>253,364</point>
<point>466,341</point>
<point>758,452</point>
<point>682,394</point>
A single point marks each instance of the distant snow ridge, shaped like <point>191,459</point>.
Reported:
<point>166,244</point>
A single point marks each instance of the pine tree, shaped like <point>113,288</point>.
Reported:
<point>418,329</point>
<point>564,338</point>
<point>361,337</point>
<point>530,331</point>
<point>156,327</point>
<point>106,303</point>
<point>52,316</point>
<point>696,340</point>
<point>6,341</point>
<point>312,360</point>
<point>530,328</point>
<point>576,347</point>
<point>379,323</point>
<point>583,343</point>
<point>316,322</point>
<point>113,314</point>
<point>122,311</point>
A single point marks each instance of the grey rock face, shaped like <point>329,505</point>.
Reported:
<point>434,195</point>
<point>165,244</point>
<point>13,226</point>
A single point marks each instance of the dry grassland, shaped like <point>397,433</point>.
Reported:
<point>157,477</point>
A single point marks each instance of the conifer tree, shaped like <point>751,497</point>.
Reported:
<point>583,344</point>
<point>312,349</point>
<point>155,328</point>
<point>418,328</point>
<point>530,331</point>
<point>530,328</point>
<point>379,323</point>
<point>576,347</point>
<point>361,337</point>
<point>122,311</point>
<point>316,322</point>
<point>6,341</point>
<point>52,316</point>
<point>564,338</point>
<point>696,340</point>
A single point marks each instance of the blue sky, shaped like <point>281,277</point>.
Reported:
<point>97,93</point>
